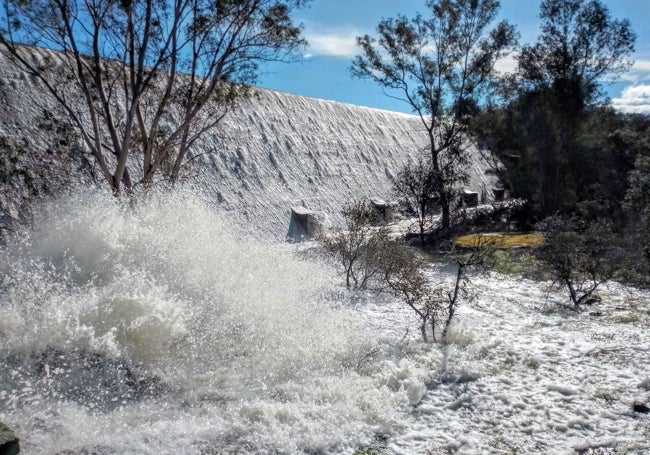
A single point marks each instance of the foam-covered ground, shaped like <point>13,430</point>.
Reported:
<point>155,328</point>
<point>525,376</point>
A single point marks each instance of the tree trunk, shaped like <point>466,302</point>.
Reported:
<point>572,293</point>
<point>439,185</point>
<point>451,309</point>
<point>422,234</point>
<point>423,330</point>
<point>446,216</point>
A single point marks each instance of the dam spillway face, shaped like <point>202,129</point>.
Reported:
<point>273,152</point>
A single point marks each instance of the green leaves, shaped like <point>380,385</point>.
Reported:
<point>436,61</point>
<point>580,44</point>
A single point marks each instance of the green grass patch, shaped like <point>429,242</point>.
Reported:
<point>501,241</point>
<point>515,263</point>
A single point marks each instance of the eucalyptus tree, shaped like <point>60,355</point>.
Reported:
<point>441,66</point>
<point>580,43</point>
<point>558,81</point>
<point>142,80</point>
<point>638,202</point>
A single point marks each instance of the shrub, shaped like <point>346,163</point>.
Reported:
<point>370,258</point>
<point>357,246</point>
<point>579,257</point>
<point>402,274</point>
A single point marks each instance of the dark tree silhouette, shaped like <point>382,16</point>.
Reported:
<point>441,66</point>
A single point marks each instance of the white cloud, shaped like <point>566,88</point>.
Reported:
<point>506,64</point>
<point>639,72</point>
<point>333,43</point>
<point>634,100</point>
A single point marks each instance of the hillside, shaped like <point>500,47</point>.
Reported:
<point>275,151</point>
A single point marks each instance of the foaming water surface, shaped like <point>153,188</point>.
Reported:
<point>151,328</point>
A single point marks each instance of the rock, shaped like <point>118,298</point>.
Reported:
<point>641,408</point>
<point>9,443</point>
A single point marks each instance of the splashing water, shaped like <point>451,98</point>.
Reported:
<point>151,328</point>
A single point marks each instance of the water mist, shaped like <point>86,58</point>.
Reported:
<point>151,327</point>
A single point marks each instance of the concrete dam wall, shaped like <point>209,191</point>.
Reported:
<point>274,152</point>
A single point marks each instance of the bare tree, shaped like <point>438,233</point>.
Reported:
<point>142,80</point>
<point>356,247</point>
<point>476,256</point>
<point>441,66</point>
<point>403,275</point>
<point>414,187</point>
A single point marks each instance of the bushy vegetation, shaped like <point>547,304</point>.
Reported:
<point>581,168</point>
<point>637,204</point>
<point>552,134</point>
<point>580,257</point>
<point>358,247</point>
<point>371,259</point>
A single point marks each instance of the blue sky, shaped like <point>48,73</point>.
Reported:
<point>332,25</point>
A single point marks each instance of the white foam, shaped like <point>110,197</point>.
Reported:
<point>242,335</point>
<point>262,352</point>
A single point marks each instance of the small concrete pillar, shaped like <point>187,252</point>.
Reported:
<point>470,198</point>
<point>305,224</point>
<point>383,210</point>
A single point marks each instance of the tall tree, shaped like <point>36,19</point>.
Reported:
<point>638,196</point>
<point>142,80</point>
<point>547,141</point>
<point>441,66</point>
<point>580,43</point>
